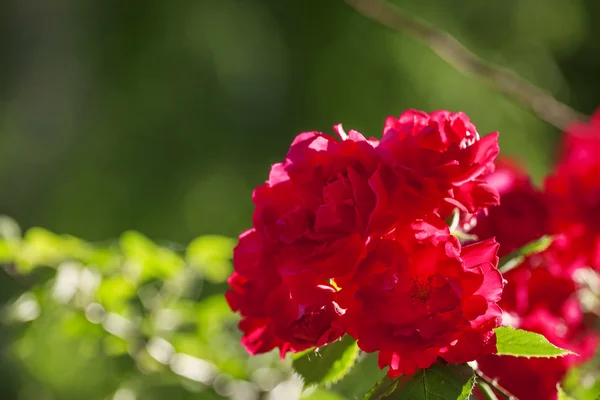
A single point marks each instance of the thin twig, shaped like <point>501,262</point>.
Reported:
<point>495,385</point>
<point>541,102</point>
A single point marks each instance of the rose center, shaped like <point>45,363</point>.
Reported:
<point>421,289</point>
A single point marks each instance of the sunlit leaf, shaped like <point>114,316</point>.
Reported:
<point>114,346</point>
<point>114,292</point>
<point>211,255</point>
<point>561,394</point>
<point>217,337</point>
<point>520,343</point>
<point>517,257</point>
<point>6,252</point>
<point>361,376</point>
<point>328,363</point>
<point>42,247</point>
<point>588,373</point>
<point>146,259</point>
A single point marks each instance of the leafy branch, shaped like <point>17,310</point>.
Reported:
<point>137,301</point>
<point>541,102</point>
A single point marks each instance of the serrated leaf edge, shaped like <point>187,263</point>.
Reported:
<point>564,353</point>
<point>345,371</point>
<point>336,377</point>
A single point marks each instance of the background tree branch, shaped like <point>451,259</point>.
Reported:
<point>541,102</point>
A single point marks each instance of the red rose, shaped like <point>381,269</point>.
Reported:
<point>536,378</point>
<point>522,214</point>
<point>581,143</point>
<point>316,205</point>
<point>291,314</point>
<point>573,193</point>
<point>301,278</point>
<point>433,162</point>
<point>543,300</point>
<point>540,295</point>
<point>529,288</point>
<point>419,297</point>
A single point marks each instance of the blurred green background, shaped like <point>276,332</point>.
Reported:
<point>161,116</point>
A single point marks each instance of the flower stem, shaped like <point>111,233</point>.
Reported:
<point>494,384</point>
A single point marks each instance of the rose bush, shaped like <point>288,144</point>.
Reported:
<point>352,237</point>
<point>349,237</point>
<point>573,195</point>
<point>538,300</point>
<point>540,294</point>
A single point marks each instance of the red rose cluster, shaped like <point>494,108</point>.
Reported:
<point>349,237</point>
<point>573,193</point>
<point>541,294</point>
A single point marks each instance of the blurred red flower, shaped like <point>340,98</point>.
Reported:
<point>522,215</point>
<point>573,193</point>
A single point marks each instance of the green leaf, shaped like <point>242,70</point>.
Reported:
<point>211,255</point>
<point>587,373</point>
<point>439,382</point>
<point>41,247</point>
<point>114,292</point>
<point>537,246</point>
<point>561,393</point>
<point>361,377</point>
<point>147,259</point>
<point>6,252</point>
<point>10,237</point>
<point>216,338</point>
<point>383,388</point>
<point>520,343</point>
<point>327,364</point>
<point>114,345</point>
<point>515,258</point>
